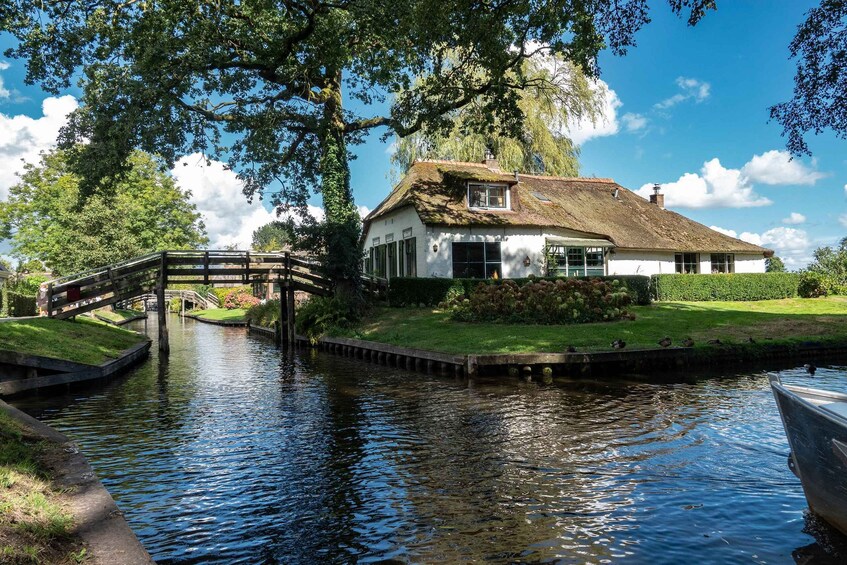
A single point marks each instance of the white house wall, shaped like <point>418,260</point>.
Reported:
<point>749,263</point>
<point>516,244</point>
<point>641,263</point>
<point>394,223</point>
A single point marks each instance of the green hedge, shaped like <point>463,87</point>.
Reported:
<point>414,291</point>
<point>729,287</point>
<point>19,305</point>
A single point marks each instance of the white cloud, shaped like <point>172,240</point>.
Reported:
<point>691,89</point>
<point>217,192</point>
<point>363,211</point>
<point>4,92</point>
<point>792,245</point>
<point>794,218</point>
<point>715,187</point>
<point>583,129</point>
<point>22,138</point>
<point>842,219</point>
<point>777,167</point>
<point>634,122</point>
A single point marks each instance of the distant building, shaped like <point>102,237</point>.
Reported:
<point>5,274</point>
<point>456,219</point>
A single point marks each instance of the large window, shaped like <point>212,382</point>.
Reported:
<point>723,263</point>
<point>687,263</point>
<point>408,258</point>
<point>476,260</point>
<point>487,196</point>
<point>565,261</point>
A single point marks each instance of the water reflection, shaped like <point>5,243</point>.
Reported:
<point>230,451</point>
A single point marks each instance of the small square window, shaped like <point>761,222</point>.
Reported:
<point>487,196</point>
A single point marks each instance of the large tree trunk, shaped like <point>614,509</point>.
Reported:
<point>343,261</point>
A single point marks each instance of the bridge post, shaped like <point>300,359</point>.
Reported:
<point>164,346</point>
<point>289,299</point>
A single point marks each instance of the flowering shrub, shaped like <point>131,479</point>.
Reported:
<point>239,298</point>
<point>564,301</point>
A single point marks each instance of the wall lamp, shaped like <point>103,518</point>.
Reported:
<point>527,261</point>
<point>435,248</point>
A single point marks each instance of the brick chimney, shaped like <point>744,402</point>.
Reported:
<point>490,160</point>
<point>657,198</point>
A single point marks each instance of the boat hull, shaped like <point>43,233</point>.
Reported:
<point>818,441</point>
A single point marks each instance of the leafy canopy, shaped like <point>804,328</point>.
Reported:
<point>818,102</point>
<point>259,82</point>
<point>47,219</point>
<point>558,92</point>
<point>270,237</point>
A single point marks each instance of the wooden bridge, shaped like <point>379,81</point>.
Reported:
<point>79,293</point>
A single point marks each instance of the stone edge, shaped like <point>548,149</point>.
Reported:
<point>97,519</point>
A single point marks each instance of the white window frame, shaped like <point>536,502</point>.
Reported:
<point>488,186</point>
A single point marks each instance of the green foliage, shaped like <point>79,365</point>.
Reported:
<point>416,291</point>
<point>175,304</point>
<point>727,287</point>
<point>814,285</point>
<point>774,265</point>
<point>15,305</point>
<point>563,301</point>
<point>28,286</point>
<point>240,298</point>
<point>47,218</point>
<point>264,314</point>
<point>321,315</point>
<point>830,266</point>
<point>818,100</point>
<point>179,77</point>
<point>272,236</point>
<point>563,93</point>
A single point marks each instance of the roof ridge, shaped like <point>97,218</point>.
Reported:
<point>604,180</point>
<point>450,162</point>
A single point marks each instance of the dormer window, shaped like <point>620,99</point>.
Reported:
<point>488,196</point>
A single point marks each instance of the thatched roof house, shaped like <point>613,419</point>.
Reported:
<point>452,219</point>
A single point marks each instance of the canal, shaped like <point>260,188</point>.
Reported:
<point>228,451</point>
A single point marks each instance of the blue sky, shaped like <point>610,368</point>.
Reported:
<point>687,107</point>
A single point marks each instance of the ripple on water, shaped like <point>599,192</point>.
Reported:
<point>230,452</point>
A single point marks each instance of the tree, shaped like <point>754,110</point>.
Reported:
<point>563,94</point>
<point>774,265</point>
<point>260,83</point>
<point>270,237</point>
<point>48,220</point>
<point>818,101</point>
<point>831,262</point>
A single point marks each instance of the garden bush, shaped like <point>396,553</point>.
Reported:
<point>321,315</point>
<point>727,287</point>
<point>264,314</point>
<point>433,291</point>
<point>241,297</point>
<point>563,301</point>
<point>815,284</point>
<point>16,305</point>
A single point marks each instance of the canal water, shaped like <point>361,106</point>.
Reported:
<point>228,451</point>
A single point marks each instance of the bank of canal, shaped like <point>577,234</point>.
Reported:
<point>230,451</point>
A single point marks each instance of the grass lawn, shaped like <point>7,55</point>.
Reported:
<point>771,321</point>
<point>117,315</point>
<point>221,314</point>
<point>82,341</point>
<point>34,520</point>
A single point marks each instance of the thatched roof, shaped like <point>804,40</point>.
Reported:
<point>437,190</point>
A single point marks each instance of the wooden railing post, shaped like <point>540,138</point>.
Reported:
<point>164,346</point>
<point>50,300</point>
<point>289,299</point>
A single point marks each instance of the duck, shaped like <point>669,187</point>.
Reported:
<point>751,340</point>
<point>714,342</point>
<point>688,342</point>
<point>571,349</point>
<point>810,368</point>
<point>665,341</point>
<point>618,344</point>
